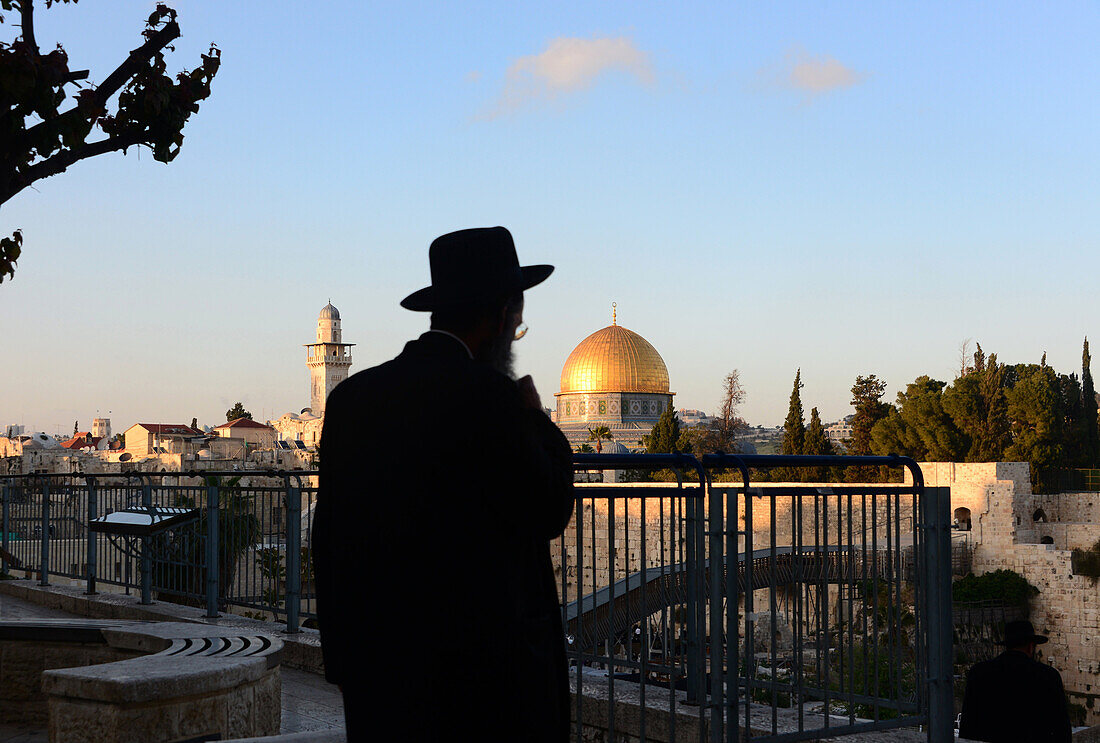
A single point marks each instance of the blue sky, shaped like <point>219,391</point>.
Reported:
<point>841,188</point>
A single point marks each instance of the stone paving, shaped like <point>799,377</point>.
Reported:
<point>309,702</point>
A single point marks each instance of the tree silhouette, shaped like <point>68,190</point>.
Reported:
<point>38,139</point>
<point>235,412</point>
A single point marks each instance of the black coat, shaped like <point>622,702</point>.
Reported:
<point>1014,698</point>
<point>436,597</point>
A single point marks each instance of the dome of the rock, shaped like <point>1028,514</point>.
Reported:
<point>613,378</point>
<point>614,359</point>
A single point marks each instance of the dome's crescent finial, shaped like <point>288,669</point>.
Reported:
<point>614,314</point>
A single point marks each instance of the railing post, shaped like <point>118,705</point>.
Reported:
<point>935,507</point>
<point>146,557</point>
<point>715,528</point>
<point>212,551</point>
<point>694,673</point>
<point>44,555</point>
<point>293,554</point>
<point>5,516</point>
<point>93,511</point>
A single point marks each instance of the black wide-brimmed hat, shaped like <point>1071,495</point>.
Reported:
<point>471,267</point>
<point>1020,633</point>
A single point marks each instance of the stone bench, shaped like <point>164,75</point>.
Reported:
<point>139,682</point>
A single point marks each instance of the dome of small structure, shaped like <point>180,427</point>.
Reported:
<point>612,447</point>
<point>328,312</point>
<point>614,359</point>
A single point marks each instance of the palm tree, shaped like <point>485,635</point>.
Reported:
<point>599,434</point>
<point>585,449</point>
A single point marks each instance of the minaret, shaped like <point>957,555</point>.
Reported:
<point>328,359</point>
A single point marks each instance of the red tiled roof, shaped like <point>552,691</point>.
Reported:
<point>243,423</point>
<point>170,429</point>
<point>82,441</point>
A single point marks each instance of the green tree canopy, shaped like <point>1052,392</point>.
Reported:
<point>40,137</point>
<point>1035,409</point>
<point>977,404</point>
<point>664,438</point>
<point>919,427</point>
<point>867,400</point>
<point>235,412</point>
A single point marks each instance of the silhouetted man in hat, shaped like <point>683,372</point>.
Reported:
<point>442,483</point>
<point>1013,697</point>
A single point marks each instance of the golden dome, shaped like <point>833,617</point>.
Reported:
<point>614,359</point>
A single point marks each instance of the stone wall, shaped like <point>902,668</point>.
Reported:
<point>1006,536</point>
<point>22,699</point>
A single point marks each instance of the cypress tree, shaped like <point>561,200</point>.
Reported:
<point>794,433</point>
<point>1088,400</point>
<point>665,436</point>
<point>817,443</point>
<point>794,428</point>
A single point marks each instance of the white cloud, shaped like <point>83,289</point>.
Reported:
<point>566,66</point>
<point>812,74</point>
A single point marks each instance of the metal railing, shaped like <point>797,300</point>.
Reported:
<point>708,605</point>
<point>1049,480</point>
<point>248,548</point>
<point>764,613</point>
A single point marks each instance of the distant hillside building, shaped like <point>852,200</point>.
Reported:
<point>840,431</point>
<point>693,417</point>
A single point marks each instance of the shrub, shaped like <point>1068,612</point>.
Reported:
<point>1005,586</point>
<point>1087,562</point>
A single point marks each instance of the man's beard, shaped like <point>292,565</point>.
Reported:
<point>498,354</point>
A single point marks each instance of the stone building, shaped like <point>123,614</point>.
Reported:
<point>101,428</point>
<point>613,378</point>
<point>254,435</point>
<point>328,360</point>
<point>143,439</point>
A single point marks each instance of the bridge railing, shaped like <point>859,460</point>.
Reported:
<point>783,611</point>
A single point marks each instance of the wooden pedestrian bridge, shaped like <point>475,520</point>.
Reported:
<point>614,610</point>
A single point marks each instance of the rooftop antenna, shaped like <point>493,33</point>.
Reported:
<point>614,314</point>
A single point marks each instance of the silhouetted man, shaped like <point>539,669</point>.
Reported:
<point>1014,697</point>
<point>442,483</point>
